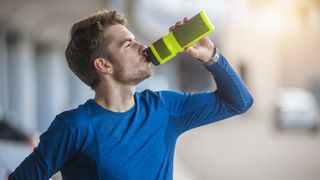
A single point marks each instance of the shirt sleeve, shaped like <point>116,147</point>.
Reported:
<point>54,149</point>
<point>191,110</point>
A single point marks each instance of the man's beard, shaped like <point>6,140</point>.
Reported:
<point>131,79</point>
<point>123,77</point>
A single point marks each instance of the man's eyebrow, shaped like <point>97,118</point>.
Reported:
<point>125,40</point>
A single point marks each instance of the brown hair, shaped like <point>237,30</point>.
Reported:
<point>88,41</point>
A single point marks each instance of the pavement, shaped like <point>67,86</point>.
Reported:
<point>247,147</point>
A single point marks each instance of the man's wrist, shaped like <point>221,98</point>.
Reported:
<point>214,58</point>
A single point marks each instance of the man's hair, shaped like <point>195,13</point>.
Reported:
<point>89,40</point>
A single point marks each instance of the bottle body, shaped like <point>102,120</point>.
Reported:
<point>180,38</point>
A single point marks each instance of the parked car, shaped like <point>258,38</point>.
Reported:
<point>14,147</point>
<point>296,109</point>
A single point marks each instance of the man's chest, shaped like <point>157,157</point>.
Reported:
<point>131,146</point>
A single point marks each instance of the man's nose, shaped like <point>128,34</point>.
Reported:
<point>142,49</point>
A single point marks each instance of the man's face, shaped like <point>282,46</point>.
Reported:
<point>130,66</point>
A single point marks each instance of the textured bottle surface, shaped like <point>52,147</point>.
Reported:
<point>180,38</point>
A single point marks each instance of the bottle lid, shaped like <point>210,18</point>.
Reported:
<point>151,58</point>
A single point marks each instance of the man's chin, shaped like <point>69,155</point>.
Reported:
<point>143,77</point>
<point>151,72</point>
<point>146,77</point>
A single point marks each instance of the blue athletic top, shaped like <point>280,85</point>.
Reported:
<point>91,142</point>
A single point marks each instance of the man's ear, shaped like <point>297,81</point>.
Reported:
<point>103,65</point>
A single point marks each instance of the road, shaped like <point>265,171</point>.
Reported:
<point>247,147</point>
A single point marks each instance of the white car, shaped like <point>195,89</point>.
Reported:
<point>12,153</point>
<point>296,109</point>
<point>15,146</point>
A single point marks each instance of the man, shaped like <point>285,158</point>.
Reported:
<point>122,134</point>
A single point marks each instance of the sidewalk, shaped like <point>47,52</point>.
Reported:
<point>247,148</point>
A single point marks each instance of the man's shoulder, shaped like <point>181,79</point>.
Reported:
<point>150,93</point>
<point>161,94</point>
<point>74,115</point>
<point>154,95</point>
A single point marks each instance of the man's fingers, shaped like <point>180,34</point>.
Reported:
<point>185,19</point>
<point>192,51</point>
<point>179,23</point>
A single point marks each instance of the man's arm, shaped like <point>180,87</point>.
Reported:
<point>230,88</point>
<point>191,110</point>
<point>55,147</point>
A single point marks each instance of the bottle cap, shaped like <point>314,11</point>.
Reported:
<point>151,58</point>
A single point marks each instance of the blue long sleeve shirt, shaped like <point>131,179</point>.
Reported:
<point>91,142</point>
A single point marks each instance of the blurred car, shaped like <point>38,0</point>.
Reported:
<point>15,146</point>
<point>296,109</point>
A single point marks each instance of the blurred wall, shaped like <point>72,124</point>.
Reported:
<point>271,43</point>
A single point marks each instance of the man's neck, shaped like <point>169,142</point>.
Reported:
<point>115,98</point>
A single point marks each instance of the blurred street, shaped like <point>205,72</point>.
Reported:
<point>248,148</point>
<point>272,44</point>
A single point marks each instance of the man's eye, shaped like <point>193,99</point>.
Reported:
<point>128,45</point>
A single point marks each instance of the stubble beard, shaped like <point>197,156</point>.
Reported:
<point>134,78</point>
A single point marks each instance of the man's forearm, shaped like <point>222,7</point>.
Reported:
<point>229,86</point>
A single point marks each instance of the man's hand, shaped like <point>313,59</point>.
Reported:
<point>202,49</point>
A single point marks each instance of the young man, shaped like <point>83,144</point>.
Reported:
<point>122,134</point>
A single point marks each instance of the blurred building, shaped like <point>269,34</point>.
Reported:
<point>271,43</point>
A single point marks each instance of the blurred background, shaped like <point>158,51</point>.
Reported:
<point>273,44</point>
